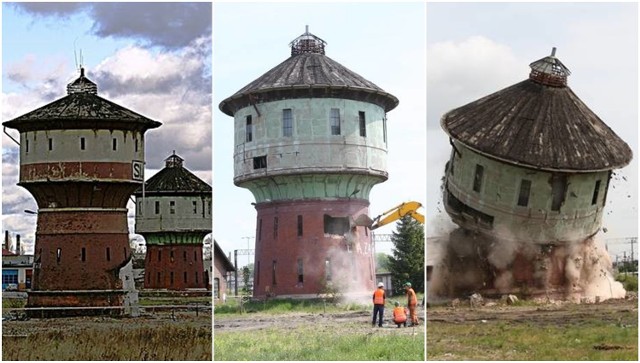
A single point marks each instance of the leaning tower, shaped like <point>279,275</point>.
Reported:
<point>173,213</point>
<point>527,183</point>
<point>310,143</point>
<point>81,157</point>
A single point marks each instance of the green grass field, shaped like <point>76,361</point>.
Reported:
<point>310,330</point>
<point>573,332</point>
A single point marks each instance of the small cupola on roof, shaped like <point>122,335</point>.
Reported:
<point>173,161</point>
<point>307,43</point>
<point>82,85</point>
<point>549,71</point>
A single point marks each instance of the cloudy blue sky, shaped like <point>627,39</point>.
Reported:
<point>384,43</point>
<point>475,49</point>
<point>154,58</point>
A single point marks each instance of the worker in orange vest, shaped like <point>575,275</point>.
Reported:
<point>378,304</point>
<point>412,302</point>
<point>399,315</point>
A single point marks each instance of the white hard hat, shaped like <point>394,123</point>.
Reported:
<point>380,284</point>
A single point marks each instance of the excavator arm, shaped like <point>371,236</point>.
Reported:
<point>397,212</point>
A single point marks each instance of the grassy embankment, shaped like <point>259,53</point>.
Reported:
<point>328,340</point>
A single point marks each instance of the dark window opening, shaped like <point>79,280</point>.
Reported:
<point>157,207</point>
<point>124,250</point>
<point>135,144</point>
<point>184,275</point>
<point>108,254</point>
<point>195,207</point>
<point>159,256</point>
<point>477,179</point>
<point>249,129</point>
<point>275,227</point>
<point>273,273</point>
<point>300,226</point>
<point>83,254</point>
<point>114,145</point>
<point>26,145</point>
<point>171,255</point>
<point>335,121</point>
<point>363,124</point>
<point>195,255</point>
<point>596,190</point>
<point>384,129</point>
<point>336,225</point>
<point>184,255</point>
<point>300,271</point>
<point>260,162</point>
<point>82,145</point>
<point>172,207</point>
<point>287,122</point>
<point>558,190</point>
<point>158,278</point>
<point>50,144</point>
<point>465,211</point>
<point>171,278</point>
<point>260,230</point>
<point>525,191</point>
<point>196,277</point>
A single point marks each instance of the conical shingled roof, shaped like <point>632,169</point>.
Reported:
<point>82,108</point>
<point>308,73</point>
<point>174,179</point>
<point>540,125</point>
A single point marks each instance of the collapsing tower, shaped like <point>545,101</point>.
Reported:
<point>81,157</point>
<point>527,182</point>
<point>173,213</point>
<point>310,143</point>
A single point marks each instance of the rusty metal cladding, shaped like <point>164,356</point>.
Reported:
<point>308,74</point>
<point>540,126</point>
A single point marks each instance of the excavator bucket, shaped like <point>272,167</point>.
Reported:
<point>363,220</point>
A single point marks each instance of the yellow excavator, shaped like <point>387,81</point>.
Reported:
<point>395,213</point>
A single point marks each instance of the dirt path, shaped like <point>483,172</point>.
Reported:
<point>558,313</point>
<point>357,320</point>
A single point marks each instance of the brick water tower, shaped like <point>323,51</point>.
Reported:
<point>173,213</point>
<point>81,157</point>
<point>310,143</point>
<point>527,183</point>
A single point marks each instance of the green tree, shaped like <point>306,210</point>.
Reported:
<point>407,262</point>
<point>382,262</point>
<point>247,283</point>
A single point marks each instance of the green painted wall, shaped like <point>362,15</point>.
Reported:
<point>311,148</point>
<point>498,197</point>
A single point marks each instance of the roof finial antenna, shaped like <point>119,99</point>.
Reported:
<point>553,52</point>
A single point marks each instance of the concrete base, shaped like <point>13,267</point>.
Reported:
<point>74,303</point>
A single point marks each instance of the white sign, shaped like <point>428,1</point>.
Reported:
<point>138,170</point>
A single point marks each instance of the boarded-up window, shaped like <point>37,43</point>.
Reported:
<point>477,179</point>
<point>336,225</point>
<point>558,190</point>
<point>596,190</point>
<point>287,122</point>
<point>525,190</point>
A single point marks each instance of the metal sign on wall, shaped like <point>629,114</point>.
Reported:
<point>137,170</point>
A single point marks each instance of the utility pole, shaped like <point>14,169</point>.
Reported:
<point>235,262</point>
